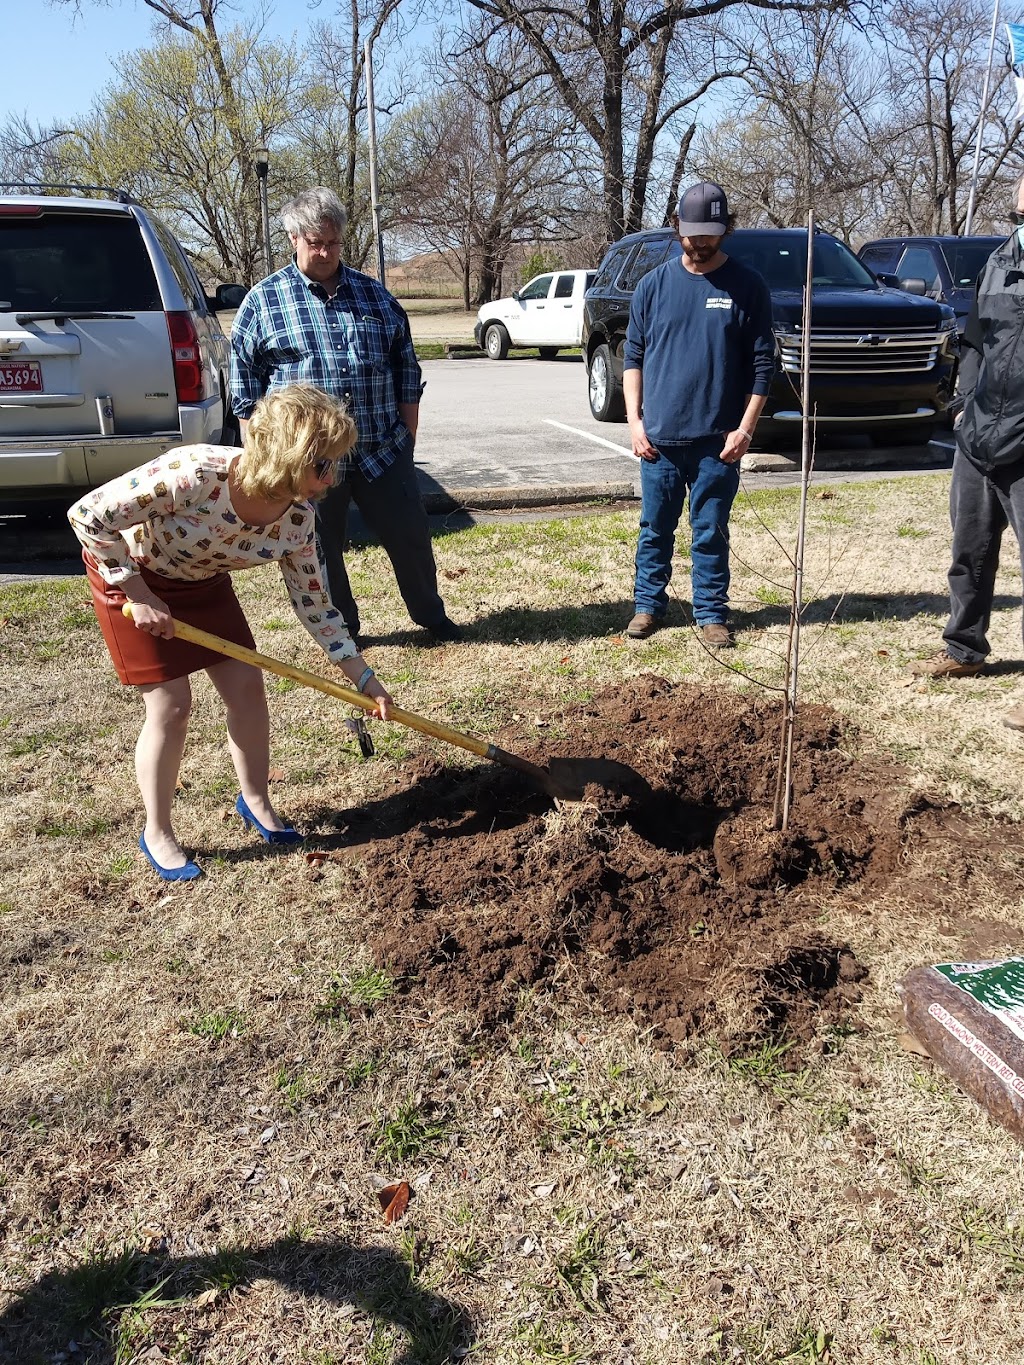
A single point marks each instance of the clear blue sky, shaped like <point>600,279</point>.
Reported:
<point>55,61</point>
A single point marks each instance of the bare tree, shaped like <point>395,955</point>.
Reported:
<point>792,144</point>
<point>486,162</point>
<point>934,71</point>
<point>625,69</point>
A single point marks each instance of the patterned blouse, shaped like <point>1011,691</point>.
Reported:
<point>174,517</point>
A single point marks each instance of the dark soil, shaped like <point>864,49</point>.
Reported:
<point>669,898</point>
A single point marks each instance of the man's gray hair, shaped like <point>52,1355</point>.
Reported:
<point>303,215</point>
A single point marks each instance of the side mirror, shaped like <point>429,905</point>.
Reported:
<point>914,286</point>
<point>228,296</point>
<point>890,281</point>
<point>515,295</point>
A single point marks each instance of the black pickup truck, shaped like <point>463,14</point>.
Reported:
<point>882,361</point>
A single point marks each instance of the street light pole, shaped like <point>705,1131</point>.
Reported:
<point>262,163</point>
<point>372,129</point>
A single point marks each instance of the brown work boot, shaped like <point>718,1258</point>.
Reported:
<point>642,625</point>
<point>943,665</point>
<point>716,635</point>
<point>1015,718</point>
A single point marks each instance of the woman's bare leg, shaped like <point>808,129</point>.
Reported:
<point>245,698</point>
<point>157,761</point>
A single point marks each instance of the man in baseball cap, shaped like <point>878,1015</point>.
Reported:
<point>703,211</point>
<point>698,363</point>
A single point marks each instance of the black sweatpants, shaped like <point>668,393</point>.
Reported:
<point>392,507</point>
<point>981,506</point>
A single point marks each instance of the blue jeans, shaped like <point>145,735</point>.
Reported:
<point>664,483</point>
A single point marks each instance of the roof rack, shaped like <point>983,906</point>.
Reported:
<point>122,196</point>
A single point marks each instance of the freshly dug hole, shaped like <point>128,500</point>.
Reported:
<point>676,904</point>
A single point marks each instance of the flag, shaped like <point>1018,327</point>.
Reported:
<point>1015,58</point>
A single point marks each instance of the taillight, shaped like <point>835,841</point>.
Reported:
<point>188,363</point>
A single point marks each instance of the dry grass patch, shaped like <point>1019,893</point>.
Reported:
<point>203,1087</point>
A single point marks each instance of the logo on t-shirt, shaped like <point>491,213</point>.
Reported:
<point>717,301</point>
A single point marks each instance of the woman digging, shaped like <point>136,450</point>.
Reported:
<point>166,538</point>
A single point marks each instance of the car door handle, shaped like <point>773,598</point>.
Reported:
<point>540,305</point>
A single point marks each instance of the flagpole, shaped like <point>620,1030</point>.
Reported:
<point>981,123</point>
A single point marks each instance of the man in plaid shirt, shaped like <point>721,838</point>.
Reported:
<point>318,321</point>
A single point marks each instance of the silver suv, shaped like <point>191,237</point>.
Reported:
<point>110,349</point>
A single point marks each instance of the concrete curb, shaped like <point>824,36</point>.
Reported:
<point>543,495</point>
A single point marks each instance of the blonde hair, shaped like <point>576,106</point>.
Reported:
<point>288,430</point>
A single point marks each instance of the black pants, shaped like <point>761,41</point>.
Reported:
<point>392,507</point>
<point>981,506</point>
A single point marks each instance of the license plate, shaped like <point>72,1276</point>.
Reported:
<point>21,376</point>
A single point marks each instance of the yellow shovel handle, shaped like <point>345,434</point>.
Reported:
<point>352,695</point>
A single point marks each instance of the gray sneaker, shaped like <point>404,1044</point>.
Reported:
<point>943,665</point>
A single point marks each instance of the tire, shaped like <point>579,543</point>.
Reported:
<point>547,352</point>
<point>496,341</point>
<point>604,390</point>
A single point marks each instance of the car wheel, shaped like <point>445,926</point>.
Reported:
<point>547,352</point>
<point>605,392</point>
<point>496,341</point>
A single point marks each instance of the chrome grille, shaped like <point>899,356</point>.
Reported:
<point>857,350</point>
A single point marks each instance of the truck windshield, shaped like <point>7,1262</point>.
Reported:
<point>781,258</point>
<point>966,260</point>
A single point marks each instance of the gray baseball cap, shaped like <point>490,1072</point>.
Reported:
<point>703,211</point>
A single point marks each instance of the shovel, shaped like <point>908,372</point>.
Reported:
<point>564,780</point>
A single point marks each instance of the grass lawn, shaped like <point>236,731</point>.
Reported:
<point>203,1088</point>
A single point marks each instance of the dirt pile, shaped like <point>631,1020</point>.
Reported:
<point>673,901</point>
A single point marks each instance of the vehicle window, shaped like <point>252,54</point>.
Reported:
<point>178,264</point>
<point>563,287</point>
<point>918,263</point>
<point>966,261</point>
<point>81,262</point>
<point>611,265</point>
<point>880,259</point>
<point>590,280</point>
<point>782,260</point>
<point>536,289</point>
<point>650,254</point>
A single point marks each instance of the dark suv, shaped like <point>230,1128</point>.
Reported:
<point>944,268</point>
<point>881,360</point>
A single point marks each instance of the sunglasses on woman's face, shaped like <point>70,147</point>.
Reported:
<point>326,470</point>
<point>1016,217</point>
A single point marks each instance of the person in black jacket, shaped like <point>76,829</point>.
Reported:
<point>987,492</point>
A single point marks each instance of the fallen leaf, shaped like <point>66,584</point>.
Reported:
<point>825,494</point>
<point>454,573</point>
<point>394,1200</point>
<point>909,1043</point>
<point>543,1191</point>
<point>882,653</point>
<point>276,775</point>
<point>566,658</point>
<point>617,640</point>
<point>316,859</point>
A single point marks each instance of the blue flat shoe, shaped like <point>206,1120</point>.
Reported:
<point>270,836</point>
<point>188,873</point>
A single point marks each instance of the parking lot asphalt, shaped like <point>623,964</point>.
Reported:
<point>501,437</point>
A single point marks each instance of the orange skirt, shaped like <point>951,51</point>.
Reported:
<point>141,658</point>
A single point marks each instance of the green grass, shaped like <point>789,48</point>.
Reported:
<point>217,1025</point>
<point>410,1133</point>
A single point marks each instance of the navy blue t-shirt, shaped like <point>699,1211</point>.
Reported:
<point>704,343</point>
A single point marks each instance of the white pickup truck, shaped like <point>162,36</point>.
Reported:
<point>546,313</point>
